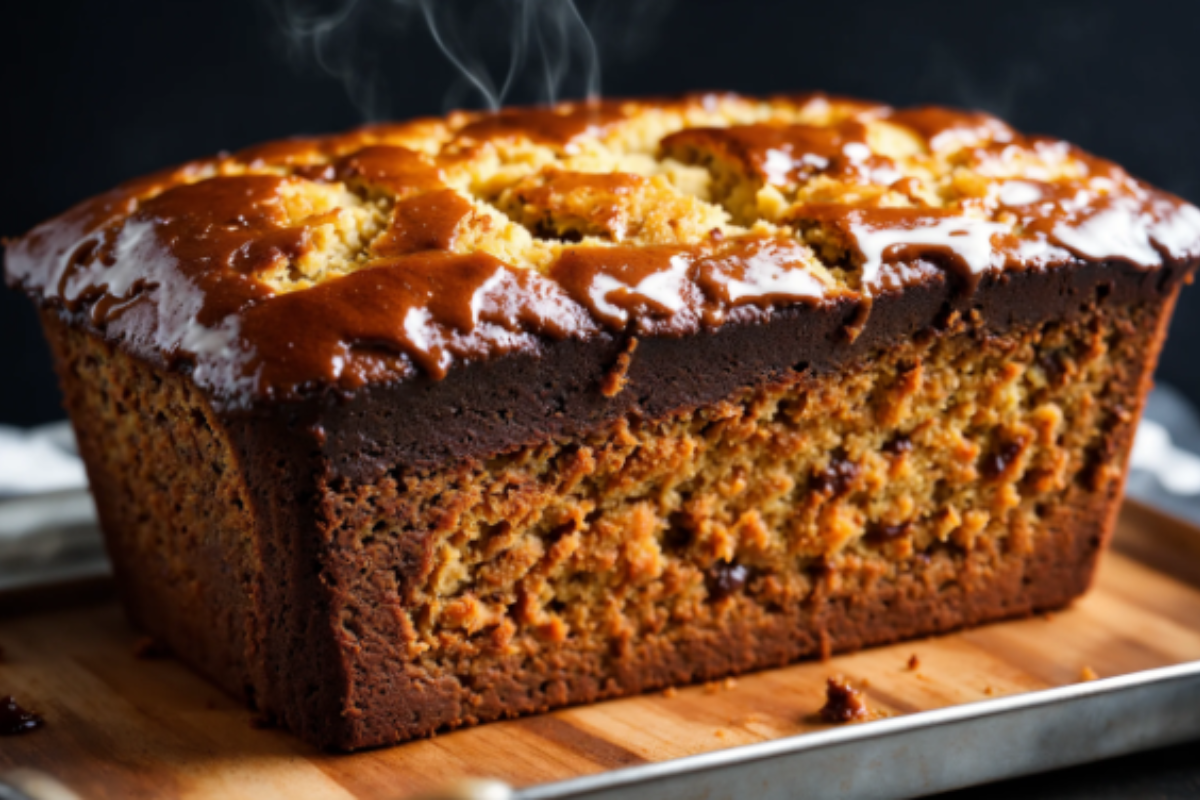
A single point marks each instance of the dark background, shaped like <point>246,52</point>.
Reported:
<point>97,92</point>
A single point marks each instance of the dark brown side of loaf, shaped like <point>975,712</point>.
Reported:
<point>250,584</point>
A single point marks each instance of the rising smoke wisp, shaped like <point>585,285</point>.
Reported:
<point>503,50</point>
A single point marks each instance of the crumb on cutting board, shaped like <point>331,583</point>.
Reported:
<point>914,663</point>
<point>670,692</point>
<point>843,703</point>
<point>1088,674</point>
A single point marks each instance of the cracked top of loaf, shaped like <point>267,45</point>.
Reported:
<point>401,249</point>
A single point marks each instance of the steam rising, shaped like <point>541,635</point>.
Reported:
<point>502,50</point>
<point>548,32</point>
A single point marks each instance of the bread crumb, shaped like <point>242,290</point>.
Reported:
<point>616,378</point>
<point>669,692</point>
<point>719,733</point>
<point>711,687</point>
<point>989,691</point>
<point>843,703</point>
<point>1088,674</point>
<point>729,683</point>
<point>913,663</point>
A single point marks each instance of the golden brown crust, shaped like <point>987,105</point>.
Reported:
<point>816,200</point>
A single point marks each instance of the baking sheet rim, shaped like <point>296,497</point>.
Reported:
<point>1097,691</point>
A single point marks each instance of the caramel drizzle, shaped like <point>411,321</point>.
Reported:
<point>170,264</point>
<point>944,128</point>
<point>783,155</point>
<point>674,290</point>
<point>433,308</point>
<point>561,125</point>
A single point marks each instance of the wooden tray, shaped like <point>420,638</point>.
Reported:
<point>123,727</point>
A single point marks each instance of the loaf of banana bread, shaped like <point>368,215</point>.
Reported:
<point>436,423</point>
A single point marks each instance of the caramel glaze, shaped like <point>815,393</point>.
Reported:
<point>425,222</point>
<point>172,266</point>
<point>942,127</point>
<point>789,154</point>
<point>560,125</point>
<point>675,290</point>
<point>431,307</point>
<point>1062,221</point>
<point>399,169</point>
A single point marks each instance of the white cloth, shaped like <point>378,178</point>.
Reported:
<point>1175,469</point>
<point>48,530</point>
<point>1165,467</point>
<point>38,460</point>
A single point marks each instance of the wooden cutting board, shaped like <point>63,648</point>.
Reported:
<point>118,726</point>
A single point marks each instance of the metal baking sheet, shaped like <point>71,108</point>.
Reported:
<point>927,752</point>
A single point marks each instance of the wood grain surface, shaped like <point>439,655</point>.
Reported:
<point>118,726</point>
